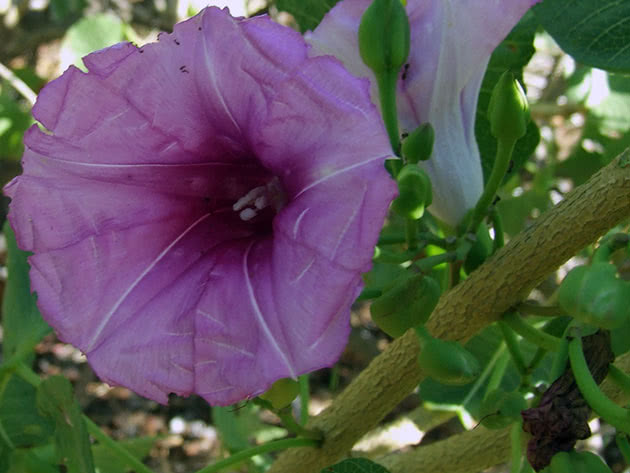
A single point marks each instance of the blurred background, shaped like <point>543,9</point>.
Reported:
<point>582,114</point>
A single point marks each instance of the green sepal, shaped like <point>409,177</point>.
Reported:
<point>481,249</point>
<point>282,393</point>
<point>500,408</point>
<point>576,462</point>
<point>414,192</point>
<point>393,166</point>
<point>508,110</point>
<point>446,361</point>
<point>594,295</point>
<point>407,303</point>
<point>418,146</point>
<point>384,36</point>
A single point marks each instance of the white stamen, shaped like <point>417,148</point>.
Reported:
<point>261,202</point>
<point>247,214</point>
<point>249,198</point>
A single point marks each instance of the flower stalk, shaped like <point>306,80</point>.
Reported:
<point>608,410</point>
<point>530,333</point>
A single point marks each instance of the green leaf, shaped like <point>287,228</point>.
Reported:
<point>14,121</point>
<point>307,13</point>
<point>511,55</point>
<point>234,426</point>
<point>90,34</point>
<point>485,347</point>
<point>26,461</point>
<point>21,425</point>
<point>63,9</point>
<point>107,463</point>
<point>55,399</point>
<point>355,465</point>
<point>22,323</point>
<point>594,33</point>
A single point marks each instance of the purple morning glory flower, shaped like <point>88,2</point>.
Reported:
<point>201,209</point>
<point>451,44</point>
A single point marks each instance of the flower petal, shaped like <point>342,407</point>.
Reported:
<point>451,43</point>
<point>127,202</point>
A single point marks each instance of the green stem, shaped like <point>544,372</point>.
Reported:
<point>501,163</point>
<point>619,377</point>
<point>411,233</point>
<point>623,445</point>
<point>426,264</point>
<point>18,84</point>
<point>513,348</point>
<point>516,448</point>
<point>391,240</point>
<point>27,375</point>
<point>535,309</point>
<point>454,273</point>
<point>289,422</point>
<point>333,384</point>
<point>116,448</point>
<point>369,294</point>
<point>244,455</point>
<point>537,358</point>
<point>387,93</point>
<point>497,224</point>
<point>530,333</point>
<point>305,397</point>
<point>488,371</point>
<point>431,239</point>
<point>497,373</point>
<point>609,245</point>
<point>560,360</point>
<point>612,413</point>
<point>95,431</point>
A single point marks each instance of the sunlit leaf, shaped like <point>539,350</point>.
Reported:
<point>594,33</point>
<point>90,34</point>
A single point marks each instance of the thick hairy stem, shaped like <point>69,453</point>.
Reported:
<point>503,281</point>
<point>477,449</point>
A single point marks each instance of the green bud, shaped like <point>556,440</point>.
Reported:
<point>384,36</point>
<point>576,462</point>
<point>594,295</point>
<point>414,192</point>
<point>500,408</point>
<point>480,250</point>
<point>508,110</point>
<point>406,304</point>
<point>418,146</point>
<point>446,361</point>
<point>281,393</point>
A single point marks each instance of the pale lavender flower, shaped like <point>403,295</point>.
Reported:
<point>201,209</point>
<point>451,44</point>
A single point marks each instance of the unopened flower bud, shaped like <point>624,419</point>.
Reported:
<point>418,146</point>
<point>595,295</point>
<point>384,36</point>
<point>446,361</point>
<point>414,187</point>
<point>281,393</point>
<point>508,110</point>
